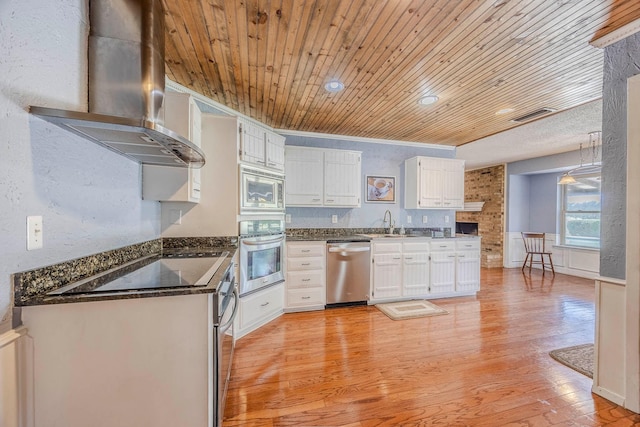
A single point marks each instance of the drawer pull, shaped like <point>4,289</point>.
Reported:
<point>460,256</point>
<point>305,250</point>
<point>306,263</point>
<point>408,257</point>
<point>451,256</point>
<point>306,280</point>
<point>306,297</point>
<point>265,304</point>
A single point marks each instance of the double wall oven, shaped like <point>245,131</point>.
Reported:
<point>261,229</point>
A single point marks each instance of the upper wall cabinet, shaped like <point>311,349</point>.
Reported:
<point>322,177</point>
<point>261,147</point>
<point>434,183</point>
<point>169,184</point>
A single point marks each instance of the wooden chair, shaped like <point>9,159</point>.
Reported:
<point>534,245</point>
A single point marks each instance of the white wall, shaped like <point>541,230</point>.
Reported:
<point>89,197</point>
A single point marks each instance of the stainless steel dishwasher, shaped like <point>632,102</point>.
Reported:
<point>348,267</point>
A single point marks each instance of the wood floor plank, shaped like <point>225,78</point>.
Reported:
<point>485,363</point>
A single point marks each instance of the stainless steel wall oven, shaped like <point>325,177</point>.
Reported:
<point>261,254</point>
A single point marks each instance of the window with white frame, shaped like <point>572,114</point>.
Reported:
<point>580,212</point>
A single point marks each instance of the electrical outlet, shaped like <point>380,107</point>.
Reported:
<point>287,218</point>
<point>408,219</point>
<point>34,232</point>
<point>334,219</point>
<point>424,219</point>
<point>446,219</point>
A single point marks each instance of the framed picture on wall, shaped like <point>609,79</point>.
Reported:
<point>381,189</point>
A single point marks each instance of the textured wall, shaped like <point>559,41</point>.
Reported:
<point>89,197</point>
<point>621,61</point>
<point>377,159</point>
<point>487,185</point>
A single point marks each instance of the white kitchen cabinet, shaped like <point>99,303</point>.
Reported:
<point>467,265</point>
<point>260,146</point>
<point>411,268</point>
<point>306,276</point>
<point>342,182</point>
<point>443,267</point>
<point>258,309</point>
<point>274,150</point>
<point>304,179</point>
<point>322,177</point>
<point>174,184</point>
<point>434,183</point>
<point>386,270</point>
<point>415,269</point>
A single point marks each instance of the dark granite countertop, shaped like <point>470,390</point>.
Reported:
<point>359,234</point>
<point>33,287</point>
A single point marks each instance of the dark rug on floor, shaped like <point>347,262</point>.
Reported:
<point>578,357</point>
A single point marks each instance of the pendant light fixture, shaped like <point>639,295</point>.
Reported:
<point>594,148</point>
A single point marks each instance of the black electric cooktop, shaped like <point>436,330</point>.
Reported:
<point>154,272</point>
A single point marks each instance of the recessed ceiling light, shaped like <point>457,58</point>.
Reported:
<point>504,111</point>
<point>428,100</point>
<point>334,86</point>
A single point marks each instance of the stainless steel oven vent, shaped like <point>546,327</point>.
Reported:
<point>126,86</point>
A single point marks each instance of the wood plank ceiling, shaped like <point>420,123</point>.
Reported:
<point>270,60</point>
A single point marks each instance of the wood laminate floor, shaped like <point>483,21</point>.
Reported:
<point>485,363</point>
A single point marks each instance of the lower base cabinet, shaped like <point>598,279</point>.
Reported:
<point>259,308</point>
<point>306,276</point>
<point>411,268</point>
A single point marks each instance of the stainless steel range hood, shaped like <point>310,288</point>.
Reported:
<point>126,87</point>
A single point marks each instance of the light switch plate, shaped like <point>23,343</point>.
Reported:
<point>446,219</point>
<point>34,232</point>
<point>408,219</point>
<point>287,218</point>
<point>334,219</point>
<point>424,219</point>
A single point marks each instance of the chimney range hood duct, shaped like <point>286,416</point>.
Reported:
<point>126,87</point>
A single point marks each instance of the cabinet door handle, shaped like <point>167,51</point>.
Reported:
<point>451,256</point>
<point>396,258</point>
<point>315,200</point>
<point>460,256</point>
<point>408,257</point>
<point>265,304</point>
<point>330,200</point>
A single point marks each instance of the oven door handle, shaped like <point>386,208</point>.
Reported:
<point>236,303</point>
<point>262,242</point>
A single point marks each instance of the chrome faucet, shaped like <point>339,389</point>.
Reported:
<point>392,224</point>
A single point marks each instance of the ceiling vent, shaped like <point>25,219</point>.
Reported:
<point>533,115</point>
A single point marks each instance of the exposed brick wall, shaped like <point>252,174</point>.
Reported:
<point>487,185</point>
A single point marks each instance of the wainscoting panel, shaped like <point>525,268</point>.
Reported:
<point>566,260</point>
